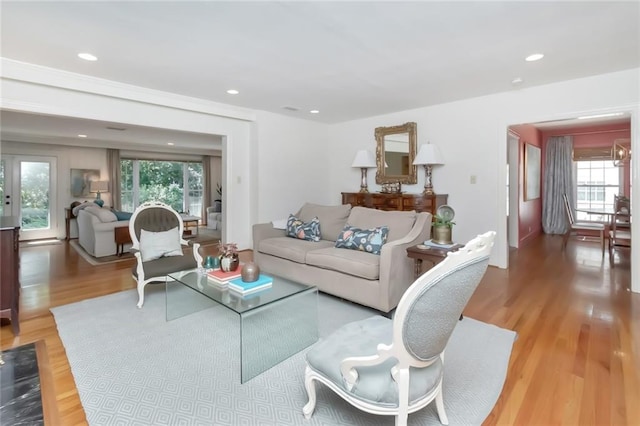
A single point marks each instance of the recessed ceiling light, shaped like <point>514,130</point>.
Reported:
<point>87,57</point>
<point>534,57</point>
<point>170,143</point>
<point>82,136</point>
<point>232,92</point>
<point>517,80</point>
<point>315,111</point>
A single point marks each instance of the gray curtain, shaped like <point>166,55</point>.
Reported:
<point>206,191</point>
<point>558,180</point>
<point>113,167</point>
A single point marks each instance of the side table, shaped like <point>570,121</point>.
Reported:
<point>122,237</point>
<point>433,255</point>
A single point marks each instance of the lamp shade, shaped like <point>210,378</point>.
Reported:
<point>99,186</point>
<point>428,154</point>
<point>364,158</point>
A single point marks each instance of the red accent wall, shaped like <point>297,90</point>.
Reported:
<point>530,220</point>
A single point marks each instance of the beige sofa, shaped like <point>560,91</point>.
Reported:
<point>377,281</point>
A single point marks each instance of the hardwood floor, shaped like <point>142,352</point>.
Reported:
<point>576,360</point>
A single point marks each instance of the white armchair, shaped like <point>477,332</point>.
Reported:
<point>214,218</point>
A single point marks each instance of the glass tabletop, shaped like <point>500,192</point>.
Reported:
<point>198,281</point>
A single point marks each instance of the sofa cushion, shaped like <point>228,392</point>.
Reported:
<point>105,215</point>
<point>369,240</point>
<point>398,222</point>
<point>309,231</point>
<point>352,262</point>
<point>332,218</point>
<point>290,248</point>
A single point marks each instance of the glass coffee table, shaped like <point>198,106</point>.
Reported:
<point>275,323</point>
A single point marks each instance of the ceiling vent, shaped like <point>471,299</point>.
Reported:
<point>290,108</point>
<point>119,129</point>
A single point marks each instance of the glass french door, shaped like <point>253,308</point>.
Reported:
<point>27,185</point>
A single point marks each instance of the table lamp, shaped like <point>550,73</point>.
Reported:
<point>364,160</point>
<point>428,156</point>
<point>99,186</point>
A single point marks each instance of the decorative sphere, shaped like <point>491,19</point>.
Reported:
<point>250,272</point>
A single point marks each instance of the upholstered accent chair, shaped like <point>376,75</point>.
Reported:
<point>580,227</point>
<point>395,366</point>
<point>156,233</point>
<point>620,228</point>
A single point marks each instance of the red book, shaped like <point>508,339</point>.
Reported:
<point>224,277</point>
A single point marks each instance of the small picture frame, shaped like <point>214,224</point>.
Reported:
<point>532,165</point>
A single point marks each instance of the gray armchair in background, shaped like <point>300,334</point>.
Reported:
<point>156,233</point>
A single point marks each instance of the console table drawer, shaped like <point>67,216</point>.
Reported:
<point>404,202</point>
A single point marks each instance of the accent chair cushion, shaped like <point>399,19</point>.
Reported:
<point>154,245</point>
<point>309,231</point>
<point>368,240</point>
<point>375,383</point>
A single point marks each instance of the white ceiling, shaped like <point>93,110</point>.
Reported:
<point>347,59</point>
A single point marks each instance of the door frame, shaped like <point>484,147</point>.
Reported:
<point>12,164</point>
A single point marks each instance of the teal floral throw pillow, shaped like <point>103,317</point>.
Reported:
<point>369,240</point>
<point>309,231</point>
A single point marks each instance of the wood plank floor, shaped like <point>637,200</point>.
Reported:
<point>576,360</point>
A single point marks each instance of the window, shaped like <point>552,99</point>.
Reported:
<point>597,182</point>
<point>150,180</point>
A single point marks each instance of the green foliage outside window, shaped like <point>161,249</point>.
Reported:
<point>162,181</point>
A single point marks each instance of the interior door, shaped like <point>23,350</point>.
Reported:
<point>28,188</point>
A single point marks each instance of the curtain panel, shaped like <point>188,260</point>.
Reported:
<point>558,180</point>
<point>113,167</point>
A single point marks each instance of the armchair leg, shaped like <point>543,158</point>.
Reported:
<point>402,379</point>
<point>140,295</point>
<point>310,406</point>
<point>440,406</point>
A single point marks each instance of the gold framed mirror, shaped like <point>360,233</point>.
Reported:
<point>395,152</point>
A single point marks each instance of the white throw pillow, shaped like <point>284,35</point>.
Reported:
<point>105,215</point>
<point>154,245</point>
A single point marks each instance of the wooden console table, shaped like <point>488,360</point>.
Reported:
<point>404,201</point>
<point>9,271</point>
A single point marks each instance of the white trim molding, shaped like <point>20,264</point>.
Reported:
<point>36,74</point>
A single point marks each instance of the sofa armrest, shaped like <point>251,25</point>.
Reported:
<point>263,231</point>
<point>396,268</point>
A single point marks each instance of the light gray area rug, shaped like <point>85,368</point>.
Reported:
<point>131,367</point>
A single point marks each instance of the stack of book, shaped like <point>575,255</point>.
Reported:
<point>221,278</point>
<point>244,288</point>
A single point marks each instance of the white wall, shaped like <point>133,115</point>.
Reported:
<point>472,135</point>
<point>291,165</point>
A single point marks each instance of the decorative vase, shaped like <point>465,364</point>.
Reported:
<point>442,235</point>
<point>250,272</point>
<point>229,263</point>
